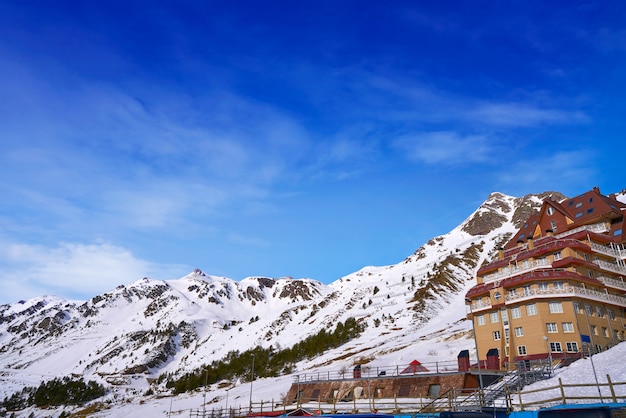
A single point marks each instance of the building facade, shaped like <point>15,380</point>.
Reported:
<point>557,290</point>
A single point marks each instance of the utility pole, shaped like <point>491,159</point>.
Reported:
<point>480,376</point>
<point>251,380</point>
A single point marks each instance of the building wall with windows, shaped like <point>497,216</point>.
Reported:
<point>558,288</point>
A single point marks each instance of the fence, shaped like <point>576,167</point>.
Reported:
<point>454,400</point>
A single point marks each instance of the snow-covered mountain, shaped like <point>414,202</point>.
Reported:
<point>137,332</point>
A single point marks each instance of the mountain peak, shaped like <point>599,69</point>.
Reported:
<point>150,329</point>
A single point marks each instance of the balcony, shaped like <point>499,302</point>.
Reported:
<point>599,228</point>
<point>567,291</point>
<point>613,267</point>
<point>516,269</point>
<point>616,251</point>
<point>616,284</point>
<point>479,305</point>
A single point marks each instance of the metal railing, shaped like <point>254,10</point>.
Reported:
<point>506,397</point>
<point>612,282</point>
<point>614,267</point>
<point>567,291</point>
<point>516,269</point>
<point>374,372</point>
<point>599,228</point>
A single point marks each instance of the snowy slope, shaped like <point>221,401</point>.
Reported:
<point>413,310</point>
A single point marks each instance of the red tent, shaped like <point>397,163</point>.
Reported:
<point>414,367</point>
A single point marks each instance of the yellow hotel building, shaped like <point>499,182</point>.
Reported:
<point>557,289</point>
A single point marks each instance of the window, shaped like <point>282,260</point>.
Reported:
<point>516,313</point>
<point>553,226</point>
<point>617,232</point>
<point>480,319</point>
<point>605,332</point>
<point>551,327</point>
<point>572,347</point>
<point>531,309</point>
<point>558,285</point>
<point>590,274</point>
<point>590,210</point>
<point>543,286</point>
<point>521,350</point>
<point>519,332</point>
<point>579,204</point>
<point>496,335</point>
<point>555,307</point>
<point>567,326</point>
<point>611,314</point>
<point>577,308</point>
<point>615,334</point>
<point>594,330</point>
<point>433,390</point>
<point>550,210</point>
<point>527,290</point>
<point>600,311</point>
<point>555,347</point>
<point>579,214</point>
<point>588,310</point>
<point>558,255</point>
<point>512,293</point>
<point>404,390</point>
<point>494,317</point>
<point>315,394</point>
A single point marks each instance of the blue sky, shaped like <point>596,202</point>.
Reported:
<point>303,139</point>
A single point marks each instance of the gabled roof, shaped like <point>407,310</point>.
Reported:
<point>414,367</point>
<point>588,208</point>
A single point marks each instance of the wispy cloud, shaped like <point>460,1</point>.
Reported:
<point>523,115</point>
<point>445,147</point>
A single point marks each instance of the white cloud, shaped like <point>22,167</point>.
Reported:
<point>74,270</point>
<point>445,147</point>
<point>523,115</point>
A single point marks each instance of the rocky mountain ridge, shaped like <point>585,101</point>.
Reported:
<point>151,327</point>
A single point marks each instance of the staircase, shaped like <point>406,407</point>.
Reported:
<point>496,395</point>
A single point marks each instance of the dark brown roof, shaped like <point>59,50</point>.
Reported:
<point>588,208</point>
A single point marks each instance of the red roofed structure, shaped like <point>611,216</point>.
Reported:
<point>558,287</point>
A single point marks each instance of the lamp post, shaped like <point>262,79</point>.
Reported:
<point>251,380</point>
<point>480,376</point>
<point>545,338</point>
